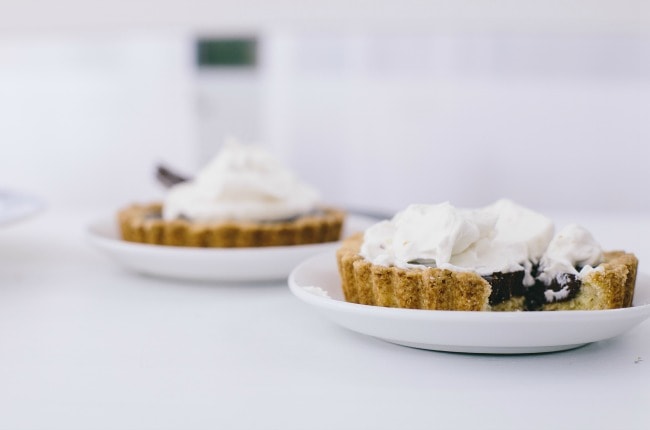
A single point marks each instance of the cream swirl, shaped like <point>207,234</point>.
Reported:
<point>243,182</point>
<point>502,237</point>
<point>572,247</point>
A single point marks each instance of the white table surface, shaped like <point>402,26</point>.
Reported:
<point>86,345</point>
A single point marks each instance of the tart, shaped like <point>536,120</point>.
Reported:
<point>565,272</point>
<point>610,286</point>
<point>242,198</point>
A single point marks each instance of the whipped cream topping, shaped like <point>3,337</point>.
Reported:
<point>519,225</point>
<point>243,182</point>
<point>555,296</point>
<point>502,237</point>
<point>421,232</point>
<point>572,247</point>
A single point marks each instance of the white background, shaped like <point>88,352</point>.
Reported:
<point>545,104</point>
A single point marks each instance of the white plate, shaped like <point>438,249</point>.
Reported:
<point>210,264</point>
<point>16,206</point>
<point>473,332</point>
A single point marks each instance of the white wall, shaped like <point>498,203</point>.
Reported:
<point>85,119</point>
<point>384,119</point>
<point>545,104</point>
<point>576,16</point>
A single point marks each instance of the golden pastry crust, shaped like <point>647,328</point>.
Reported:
<point>144,224</point>
<point>611,286</point>
<point>426,288</point>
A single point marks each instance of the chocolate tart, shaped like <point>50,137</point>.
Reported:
<point>610,286</point>
<point>144,224</point>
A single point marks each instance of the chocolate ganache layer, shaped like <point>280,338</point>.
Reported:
<point>505,286</point>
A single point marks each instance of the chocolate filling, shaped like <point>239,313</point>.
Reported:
<point>505,286</point>
<point>535,297</point>
<point>508,285</point>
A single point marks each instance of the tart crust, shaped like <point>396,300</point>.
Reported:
<point>427,288</point>
<point>143,223</point>
<point>610,286</point>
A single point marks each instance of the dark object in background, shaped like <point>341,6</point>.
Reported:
<point>226,52</point>
<point>167,177</point>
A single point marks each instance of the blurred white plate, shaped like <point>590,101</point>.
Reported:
<point>473,332</point>
<point>210,264</point>
<point>15,206</point>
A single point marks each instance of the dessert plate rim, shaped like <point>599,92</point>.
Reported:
<point>462,331</point>
<point>208,264</point>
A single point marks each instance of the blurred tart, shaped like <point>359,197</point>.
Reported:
<point>242,198</point>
